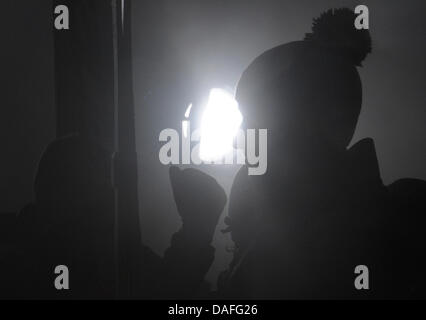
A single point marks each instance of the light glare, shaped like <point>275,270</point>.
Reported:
<point>219,125</point>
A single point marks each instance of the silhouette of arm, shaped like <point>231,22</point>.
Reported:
<point>180,273</point>
<point>200,201</point>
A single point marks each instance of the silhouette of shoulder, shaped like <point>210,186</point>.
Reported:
<point>408,198</point>
<point>410,192</point>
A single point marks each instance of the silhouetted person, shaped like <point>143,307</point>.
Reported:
<point>321,209</point>
<point>70,223</point>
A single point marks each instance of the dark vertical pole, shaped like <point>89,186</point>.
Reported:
<point>84,72</point>
<point>125,159</point>
<point>94,97</point>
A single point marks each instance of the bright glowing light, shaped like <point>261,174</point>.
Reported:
<point>219,125</point>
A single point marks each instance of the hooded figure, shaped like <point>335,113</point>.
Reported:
<point>70,223</point>
<point>321,209</point>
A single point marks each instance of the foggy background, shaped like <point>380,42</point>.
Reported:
<point>182,49</point>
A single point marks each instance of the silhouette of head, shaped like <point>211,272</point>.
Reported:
<point>75,210</point>
<point>72,172</point>
<point>308,91</point>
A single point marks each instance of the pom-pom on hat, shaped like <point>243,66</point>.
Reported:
<point>310,87</point>
<point>335,29</point>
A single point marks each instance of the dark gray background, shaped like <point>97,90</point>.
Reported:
<point>183,48</point>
